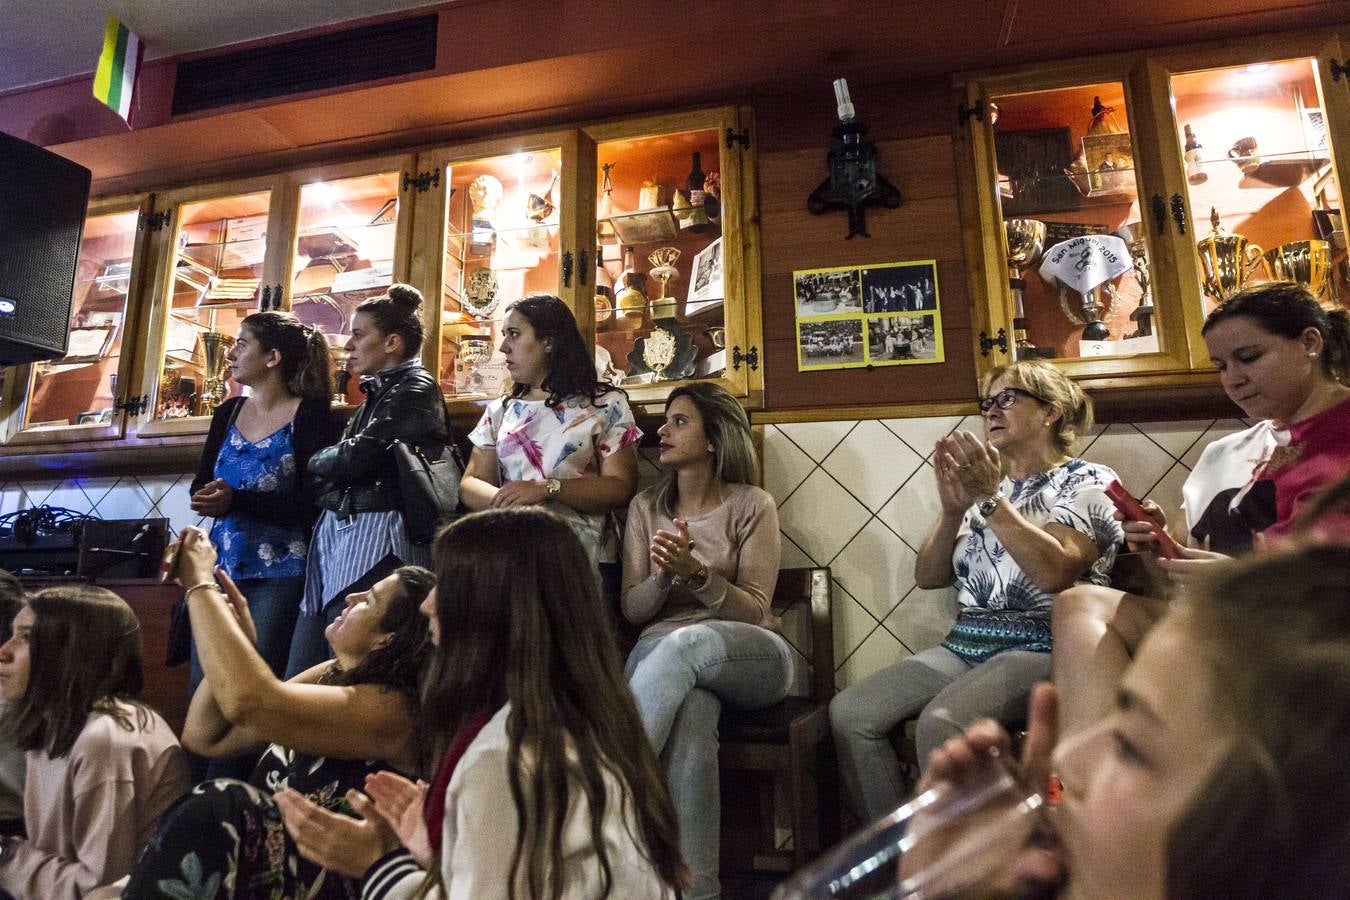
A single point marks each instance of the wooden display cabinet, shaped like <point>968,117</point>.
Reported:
<point>1138,149</point>
<point>80,398</point>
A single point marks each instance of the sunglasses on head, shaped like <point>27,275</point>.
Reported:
<point>1006,398</point>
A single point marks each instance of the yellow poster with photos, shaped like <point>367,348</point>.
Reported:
<point>852,317</point>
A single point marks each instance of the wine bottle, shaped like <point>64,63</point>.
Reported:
<point>697,220</point>
<point>1194,157</point>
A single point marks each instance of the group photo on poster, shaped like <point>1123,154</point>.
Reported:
<point>880,315</point>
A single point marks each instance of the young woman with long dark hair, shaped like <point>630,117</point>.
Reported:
<point>545,787</point>
<point>320,733</point>
<point>560,436</point>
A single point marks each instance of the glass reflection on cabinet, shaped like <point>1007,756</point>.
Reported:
<point>220,246</point>
<point>659,308</point>
<point>1260,180</point>
<point>501,243</point>
<point>81,388</point>
<point>344,254</point>
<point>1078,255</point>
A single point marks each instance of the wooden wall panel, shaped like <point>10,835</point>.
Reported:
<point>912,125</point>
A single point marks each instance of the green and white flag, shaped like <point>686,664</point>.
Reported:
<point>118,65</point>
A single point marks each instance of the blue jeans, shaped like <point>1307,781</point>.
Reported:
<point>680,679</point>
<point>274,604</point>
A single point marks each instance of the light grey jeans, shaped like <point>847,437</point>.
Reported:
<point>680,679</point>
<point>944,691</point>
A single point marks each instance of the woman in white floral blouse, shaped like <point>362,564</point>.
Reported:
<point>1021,520</point>
<point>560,436</point>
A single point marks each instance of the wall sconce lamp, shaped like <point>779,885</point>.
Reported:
<point>853,183</point>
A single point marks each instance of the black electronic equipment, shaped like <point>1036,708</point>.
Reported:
<point>43,200</point>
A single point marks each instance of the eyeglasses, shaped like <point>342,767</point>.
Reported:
<point>1006,398</point>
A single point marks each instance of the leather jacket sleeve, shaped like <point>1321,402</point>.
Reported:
<point>411,410</point>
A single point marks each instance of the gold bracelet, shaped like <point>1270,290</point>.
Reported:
<point>201,584</point>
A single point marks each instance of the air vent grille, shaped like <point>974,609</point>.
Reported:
<point>354,56</point>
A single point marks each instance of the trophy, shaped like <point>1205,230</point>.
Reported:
<point>1133,236</point>
<point>214,347</point>
<point>1088,265</point>
<point>1025,241</point>
<point>1226,260</point>
<point>663,270</point>
<point>1305,262</point>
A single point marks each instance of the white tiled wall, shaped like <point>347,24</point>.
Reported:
<point>125,497</point>
<point>857,496</point>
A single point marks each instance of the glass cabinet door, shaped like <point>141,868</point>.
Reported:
<point>1260,179</point>
<point>670,260</point>
<point>78,397</point>
<point>497,231</point>
<point>214,262</point>
<point>1074,234</point>
<point>349,246</point>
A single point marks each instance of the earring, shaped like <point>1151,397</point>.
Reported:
<point>712,449</point>
<point>1313,354</point>
<point>1048,423</point>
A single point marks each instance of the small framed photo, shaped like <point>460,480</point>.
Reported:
<point>645,226</point>
<point>705,284</point>
<point>1110,164</point>
<point>95,417</point>
<point>89,344</point>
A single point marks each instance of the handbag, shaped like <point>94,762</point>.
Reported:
<point>428,486</point>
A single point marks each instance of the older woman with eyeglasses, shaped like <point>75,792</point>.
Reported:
<point>1020,521</point>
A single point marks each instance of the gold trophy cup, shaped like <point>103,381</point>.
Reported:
<point>1226,260</point>
<point>214,347</point>
<point>1026,241</point>
<point>1305,262</point>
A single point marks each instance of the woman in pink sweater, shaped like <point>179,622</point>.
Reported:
<point>101,766</point>
<point>700,561</point>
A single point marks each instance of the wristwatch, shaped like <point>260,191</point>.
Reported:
<point>989,504</point>
<point>554,488</point>
<point>699,578</point>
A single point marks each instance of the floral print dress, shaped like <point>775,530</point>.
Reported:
<point>226,839</point>
<point>535,441</point>
<point>1001,607</point>
<point>250,547</point>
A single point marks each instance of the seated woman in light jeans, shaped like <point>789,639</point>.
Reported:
<point>1021,520</point>
<point>700,562</point>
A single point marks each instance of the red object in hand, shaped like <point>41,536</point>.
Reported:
<point>1134,512</point>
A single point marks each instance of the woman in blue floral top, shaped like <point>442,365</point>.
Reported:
<point>250,479</point>
<point>1021,520</point>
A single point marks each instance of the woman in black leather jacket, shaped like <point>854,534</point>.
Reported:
<point>360,537</point>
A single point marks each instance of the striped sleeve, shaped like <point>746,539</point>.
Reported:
<point>394,876</point>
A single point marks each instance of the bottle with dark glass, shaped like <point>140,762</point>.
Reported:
<point>696,219</point>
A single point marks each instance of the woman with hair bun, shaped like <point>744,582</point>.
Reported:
<point>251,475</point>
<point>361,536</point>
<point>102,767</point>
<point>1021,521</point>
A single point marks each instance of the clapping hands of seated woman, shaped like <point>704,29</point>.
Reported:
<point>214,499</point>
<point>391,815</point>
<point>672,552</point>
<point>968,471</point>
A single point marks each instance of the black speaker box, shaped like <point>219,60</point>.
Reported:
<point>43,199</point>
<point>122,548</point>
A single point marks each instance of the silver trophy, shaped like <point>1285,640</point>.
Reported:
<point>1025,242</point>
<point>1133,236</point>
